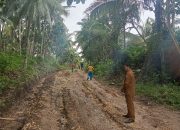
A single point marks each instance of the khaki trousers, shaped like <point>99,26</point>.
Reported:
<point>130,106</point>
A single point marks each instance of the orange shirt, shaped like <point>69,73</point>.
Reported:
<point>90,68</point>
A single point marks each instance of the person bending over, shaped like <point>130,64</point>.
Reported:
<point>90,72</point>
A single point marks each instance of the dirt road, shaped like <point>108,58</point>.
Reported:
<point>67,101</point>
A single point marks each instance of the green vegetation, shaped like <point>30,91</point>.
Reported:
<point>167,94</point>
<point>12,74</point>
<point>33,41</point>
<point>69,2</point>
<point>103,69</point>
<point>106,35</point>
<point>153,53</point>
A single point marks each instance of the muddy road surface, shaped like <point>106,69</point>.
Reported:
<point>67,101</point>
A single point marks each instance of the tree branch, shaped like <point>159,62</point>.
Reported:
<point>138,32</point>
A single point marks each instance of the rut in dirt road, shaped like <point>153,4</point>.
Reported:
<point>67,101</point>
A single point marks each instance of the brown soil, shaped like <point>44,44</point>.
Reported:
<point>67,101</point>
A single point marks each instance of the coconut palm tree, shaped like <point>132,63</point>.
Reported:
<point>69,2</point>
<point>33,17</point>
<point>119,13</point>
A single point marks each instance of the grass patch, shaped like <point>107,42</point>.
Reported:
<point>13,73</point>
<point>166,94</point>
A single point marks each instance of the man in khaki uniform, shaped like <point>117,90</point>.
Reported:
<point>129,90</point>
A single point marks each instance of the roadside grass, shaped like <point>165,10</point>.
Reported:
<point>13,74</point>
<point>168,94</point>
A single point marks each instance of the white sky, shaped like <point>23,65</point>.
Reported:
<point>77,13</point>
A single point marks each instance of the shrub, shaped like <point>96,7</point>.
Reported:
<point>103,68</point>
<point>166,94</point>
<point>136,55</point>
<point>3,63</point>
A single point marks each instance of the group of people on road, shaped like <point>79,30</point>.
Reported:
<point>73,66</point>
<point>128,89</point>
<point>81,67</point>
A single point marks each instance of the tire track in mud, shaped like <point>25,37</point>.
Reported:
<point>28,107</point>
<point>114,113</point>
<point>37,104</point>
<point>152,120</point>
<point>66,101</point>
<point>110,111</point>
<point>58,102</point>
<point>91,116</point>
<point>70,111</point>
<point>69,118</point>
<point>58,111</point>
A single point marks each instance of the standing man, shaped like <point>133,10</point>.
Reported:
<point>90,72</point>
<point>72,67</point>
<point>82,66</point>
<point>129,90</point>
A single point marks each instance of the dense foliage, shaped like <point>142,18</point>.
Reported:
<point>33,39</point>
<point>12,75</point>
<point>106,36</point>
<point>107,43</point>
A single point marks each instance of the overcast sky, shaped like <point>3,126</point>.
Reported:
<point>77,13</point>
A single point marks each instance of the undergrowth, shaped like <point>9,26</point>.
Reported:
<point>166,94</point>
<point>13,73</point>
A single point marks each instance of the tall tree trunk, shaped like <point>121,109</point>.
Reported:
<point>44,53</point>
<point>20,38</point>
<point>159,27</point>
<point>33,42</point>
<point>124,35</point>
<point>168,16</point>
<point>1,38</point>
<point>173,15</point>
<point>42,43</point>
<point>1,44</point>
<point>158,15</point>
<point>28,44</point>
<point>124,26</point>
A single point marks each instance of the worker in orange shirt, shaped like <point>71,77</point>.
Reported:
<point>129,90</point>
<point>90,72</point>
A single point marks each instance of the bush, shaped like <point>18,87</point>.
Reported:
<point>103,69</point>
<point>166,94</point>
<point>10,70</point>
<point>13,74</point>
<point>2,86</point>
<point>3,63</point>
<point>136,55</point>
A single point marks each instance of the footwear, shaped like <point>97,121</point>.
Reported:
<point>129,120</point>
<point>126,115</point>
